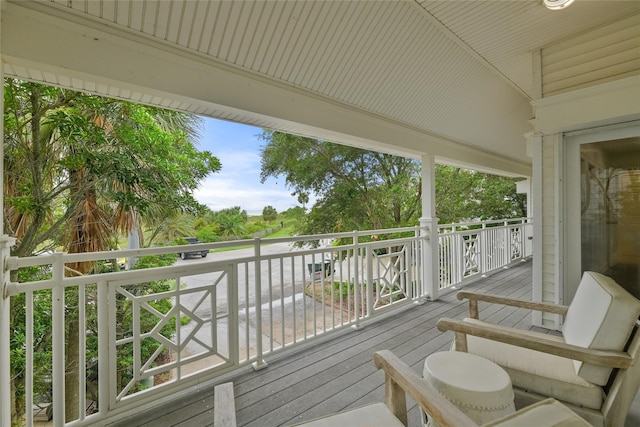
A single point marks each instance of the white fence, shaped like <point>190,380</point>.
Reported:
<point>114,341</point>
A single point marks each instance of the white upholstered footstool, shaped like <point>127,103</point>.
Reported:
<point>479,387</point>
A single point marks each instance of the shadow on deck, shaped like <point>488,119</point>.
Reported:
<point>338,374</point>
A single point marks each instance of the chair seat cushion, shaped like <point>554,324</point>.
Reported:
<point>548,412</point>
<point>377,414</point>
<point>539,372</point>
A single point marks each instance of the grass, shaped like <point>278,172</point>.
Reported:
<point>232,248</point>
<point>339,288</point>
<point>281,232</point>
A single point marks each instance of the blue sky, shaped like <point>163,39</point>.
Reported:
<point>238,182</point>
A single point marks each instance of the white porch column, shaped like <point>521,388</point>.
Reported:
<point>5,362</point>
<point>535,142</point>
<point>431,273</point>
<point>524,187</point>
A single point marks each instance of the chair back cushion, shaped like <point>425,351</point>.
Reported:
<point>601,317</point>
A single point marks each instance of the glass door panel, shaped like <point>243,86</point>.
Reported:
<point>610,210</point>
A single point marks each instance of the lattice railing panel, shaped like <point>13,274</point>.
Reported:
<point>173,333</point>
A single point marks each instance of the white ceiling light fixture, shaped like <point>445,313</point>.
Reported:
<point>557,4</point>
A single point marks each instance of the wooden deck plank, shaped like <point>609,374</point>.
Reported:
<point>343,372</point>
<point>338,374</point>
<point>180,411</point>
<point>432,340</point>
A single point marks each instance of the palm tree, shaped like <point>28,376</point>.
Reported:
<point>231,225</point>
<point>171,228</point>
<point>80,170</point>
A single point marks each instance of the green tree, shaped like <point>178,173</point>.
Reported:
<point>79,169</point>
<point>70,155</point>
<point>231,224</point>
<point>227,222</point>
<point>359,189</point>
<point>354,188</point>
<point>233,211</point>
<point>170,228</point>
<point>466,195</point>
<point>269,213</point>
<point>208,233</point>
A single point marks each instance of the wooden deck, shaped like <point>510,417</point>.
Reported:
<point>339,374</point>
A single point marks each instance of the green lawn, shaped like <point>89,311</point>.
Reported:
<point>281,232</point>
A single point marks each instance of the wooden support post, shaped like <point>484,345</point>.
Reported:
<point>395,399</point>
<point>224,406</point>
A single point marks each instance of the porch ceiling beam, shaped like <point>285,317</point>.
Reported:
<point>118,63</point>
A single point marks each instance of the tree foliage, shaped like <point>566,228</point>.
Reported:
<point>360,189</point>
<point>229,222</point>
<point>466,195</point>
<point>355,188</point>
<point>167,230</point>
<point>80,170</point>
<point>269,213</point>
<point>231,225</point>
<point>233,211</point>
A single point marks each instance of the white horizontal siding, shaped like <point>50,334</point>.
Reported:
<point>608,53</point>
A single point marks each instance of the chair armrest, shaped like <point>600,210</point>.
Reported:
<point>399,378</point>
<point>474,297</point>
<point>520,338</point>
<point>224,407</point>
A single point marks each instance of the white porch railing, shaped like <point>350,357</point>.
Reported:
<point>207,317</point>
<point>475,249</point>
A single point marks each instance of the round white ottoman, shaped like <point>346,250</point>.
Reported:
<point>479,387</point>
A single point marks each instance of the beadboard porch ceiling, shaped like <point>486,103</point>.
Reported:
<point>452,78</point>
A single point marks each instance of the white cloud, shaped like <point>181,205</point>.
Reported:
<point>238,182</point>
<point>239,162</point>
<point>219,193</point>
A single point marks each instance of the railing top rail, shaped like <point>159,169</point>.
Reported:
<point>15,262</point>
<point>127,276</point>
<point>120,253</point>
<point>125,253</point>
<point>348,246</point>
<point>178,270</point>
<point>346,234</point>
<point>488,222</point>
